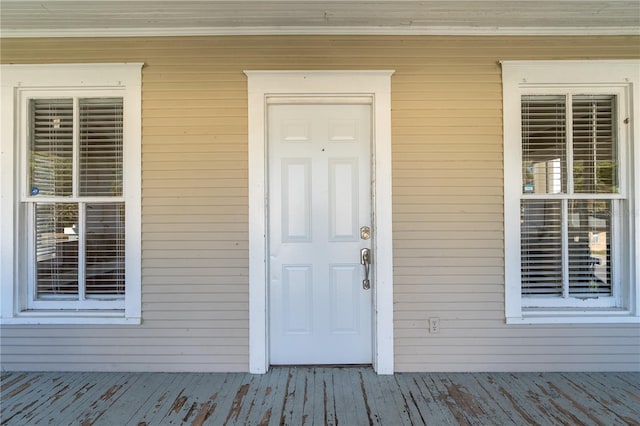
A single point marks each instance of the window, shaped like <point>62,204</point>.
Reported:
<point>570,182</point>
<point>71,150</point>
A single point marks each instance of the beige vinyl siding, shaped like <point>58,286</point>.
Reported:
<point>447,204</point>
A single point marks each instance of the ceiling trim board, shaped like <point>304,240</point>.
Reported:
<point>295,30</point>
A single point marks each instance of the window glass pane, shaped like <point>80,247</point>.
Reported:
<point>100,147</point>
<point>51,147</point>
<point>56,250</point>
<point>105,250</point>
<point>541,247</point>
<point>589,248</point>
<point>595,151</point>
<point>543,144</point>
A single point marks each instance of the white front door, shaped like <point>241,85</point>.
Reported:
<point>319,203</point>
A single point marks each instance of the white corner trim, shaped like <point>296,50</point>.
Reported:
<point>375,84</point>
<point>319,30</point>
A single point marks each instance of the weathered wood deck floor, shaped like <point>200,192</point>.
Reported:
<point>319,396</point>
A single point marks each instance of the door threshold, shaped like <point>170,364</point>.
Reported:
<point>334,366</point>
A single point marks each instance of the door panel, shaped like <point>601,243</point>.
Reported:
<point>343,200</point>
<point>297,298</point>
<point>344,304</point>
<point>296,200</point>
<point>319,197</point>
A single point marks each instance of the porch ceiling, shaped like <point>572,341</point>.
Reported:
<point>63,18</point>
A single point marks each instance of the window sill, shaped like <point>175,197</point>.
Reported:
<point>68,317</point>
<point>575,316</point>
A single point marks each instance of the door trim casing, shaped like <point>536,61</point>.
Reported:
<point>265,85</point>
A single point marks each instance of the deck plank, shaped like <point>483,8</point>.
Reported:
<point>473,407</point>
<point>351,410</point>
<point>199,401</point>
<point>313,398</point>
<point>622,392</point>
<point>375,397</point>
<point>345,404</point>
<point>563,403</point>
<point>94,400</point>
<point>319,396</point>
<point>325,379</point>
<point>275,400</point>
<point>414,401</point>
<point>525,399</point>
<point>142,395</point>
<point>27,388</point>
<point>296,400</point>
<point>289,391</point>
<point>229,400</point>
<point>479,400</point>
<point>362,406</point>
<point>71,395</point>
<point>504,407</point>
<point>253,407</point>
<point>583,401</point>
<point>166,401</point>
<point>434,412</point>
<point>393,407</point>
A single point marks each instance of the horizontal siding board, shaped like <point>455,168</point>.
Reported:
<point>130,358</point>
<point>112,347</point>
<point>449,279</point>
<point>493,358</point>
<point>215,147</point>
<point>169,164</point>
<point>438,146</point>
<point>497,365</point>
<point>226,246</point>
<point>186,272</point>
<point>158,331</point>
<point>198,218</point>
<point>538,347</point>
<point>443,261</point>
<point>227,342</point>
<point>447,203</point>
<point>191,227</point>
<point>469,165</point>
<point>493,330</point>
<point>194,254</point>
<point>425,220</point>
<point>487,345</point>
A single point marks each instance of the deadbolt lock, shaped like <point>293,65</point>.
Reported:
<point>365,233</point>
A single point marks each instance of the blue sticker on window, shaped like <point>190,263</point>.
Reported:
<point>35,190</point>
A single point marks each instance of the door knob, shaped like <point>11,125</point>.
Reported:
<point>365,260</point>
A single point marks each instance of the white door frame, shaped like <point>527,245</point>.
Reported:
<point>263,85</point>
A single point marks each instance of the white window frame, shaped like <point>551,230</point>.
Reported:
<point>617,77</point>
<point>19,84</point>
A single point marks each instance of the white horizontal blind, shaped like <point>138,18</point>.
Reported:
<point>100,147</point>
<point>541,251</point>
<point>544,148</point>
<point>566,239</point>
<point>594,149</point>
<point>79,241</point>
<point>104,272</point>
<point>51,160</point>
<point>57,273</point>
<point>589,253</point>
